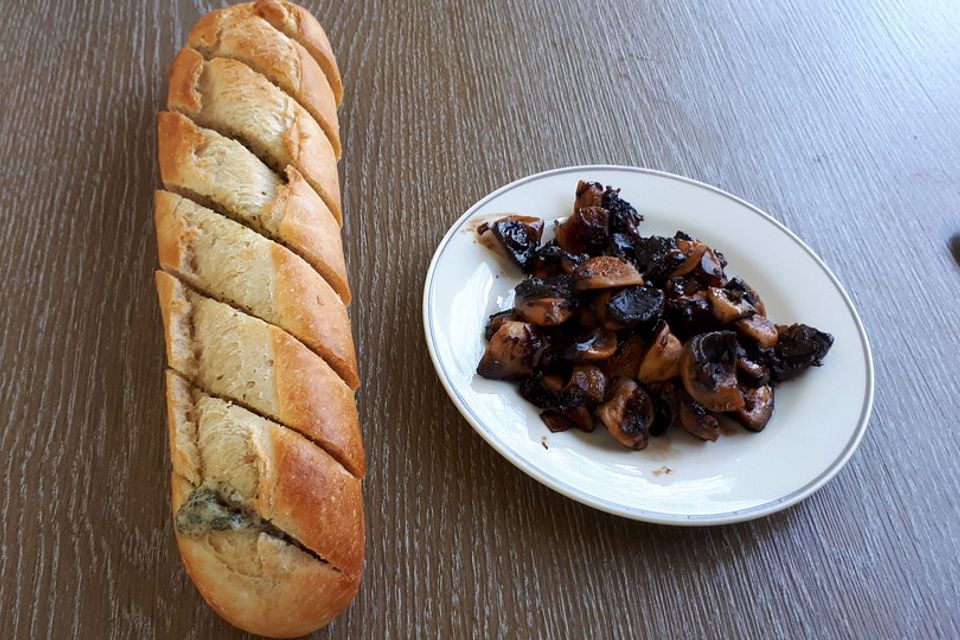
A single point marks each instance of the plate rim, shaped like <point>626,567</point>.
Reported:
<point>558,485</point>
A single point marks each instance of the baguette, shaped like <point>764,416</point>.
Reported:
<point>229,97</point>
<point>221,173</point>
<point>229,262</point>
<point>269,526</point>
<point>239,33</point>
<point>297,23</point>
<point>259,366</point>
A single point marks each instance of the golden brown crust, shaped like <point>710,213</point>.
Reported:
<point>278,591</point>
<point>238,33</point>
<point>299,24</point>
<point>239,103</point>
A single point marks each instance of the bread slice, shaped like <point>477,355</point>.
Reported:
<point>270,471</point>
<point>259,582</point>
<point>229,262</point>
<point>299,24</point>
<point>238,33</point>
<point>261,367</point>
<point>231,98</point>
<point>220,173</point>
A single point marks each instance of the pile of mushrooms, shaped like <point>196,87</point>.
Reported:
<point>638,333</point>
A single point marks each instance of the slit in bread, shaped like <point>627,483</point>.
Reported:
<point>260,367</point>
<point>227,261</point>
<point>238,33</point>
<point>300,25</point>
<point>223,175</point>
<point>231,98</point>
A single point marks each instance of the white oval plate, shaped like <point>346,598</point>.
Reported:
<point>820,417</point>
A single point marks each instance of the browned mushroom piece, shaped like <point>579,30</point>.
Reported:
<point>596,345</point>
<point>513,352</point>
<point>753,373</point>
<point>728,305</point>
<point>695,419</point>
<point>605,272</point>
<point>546,302</point>
<point>586,231</point>
<point>497,320</point>
<point>628,414</point>
<point>542,391</point>
<point>587,387</point>
<point>583,418</point>
<point>739,284</point>
<point>557,421</point>
<point>626,361</point>
<point>518,238</point>
<point>693,250</point>
<point>759,329</point>
<point>757,409</point>
<point>666,404</point>
<point>711,268</point>
<point>661,361</point>
<point>589,194</point>
<point>708,370</point>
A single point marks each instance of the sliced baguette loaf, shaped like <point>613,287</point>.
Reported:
<point>238,33</point>
<point>300,25</point>
<point>229,262</point>
<point>221,173</point>
<point>229,97</point>
<point>257,365</point>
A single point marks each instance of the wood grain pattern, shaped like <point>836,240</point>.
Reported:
<point>839,119</point>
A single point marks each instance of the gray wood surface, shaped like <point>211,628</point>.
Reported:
<point>838,118</point>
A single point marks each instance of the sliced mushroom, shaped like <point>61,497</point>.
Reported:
<point>596,345</point>
<point>658,256</point>
<point>545,302</point>
<point>701,262</point>
<point>623,217</point>
<point>690,314</point>
<point>739,284</point>
<point>557,421</point>
<point>542,391</point>
<point>708,370</point>
<point>589,194</point>
<point>518,238</point>
<point>750,371</point>
<point>728,305</point>
<point>662,359</point>
<point>628,414</point>
<point>693,251</point>
<point>513,352</point>
<point>799,346</point>
<point>582,417</point>
<point>587,387</point>
<point>757,408</point>
<point>634,307</point>
<point>711,268</point>
<point>552,258</point>
<point>696,420</point>
<point>759,329</point>
<point>626,361</point>
<point>586,231</point>
<point>605,272</point>
<point>666,404</point>
<point>497,320</point>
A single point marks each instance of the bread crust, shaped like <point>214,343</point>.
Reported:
<point>222,174</point>
<point>260,366</point>
<point>279,592</point>
<point>229,97</point>
<point>238,33</point>
<point>299,24</point>
<point>227,261</point>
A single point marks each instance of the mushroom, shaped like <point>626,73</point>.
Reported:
<point>701,261</point>
<point>728,305</point>
<point>754,372</point>
<point>518,238</point>
<point>623,217</point>
<point>589,194</point>
<point>658,256</point>
<point>695,419</point>
<point>634,307</point>
<point>605,272</point>
<point>799,346</point>
<point>628,414</point>
<point>552,258</point>
<point>739,284</point>
<point>497,320</point>
<point>545,302</point>
<point>587,387</point>
<point>582,417</point>
<point>666,405</point>
<point>596,345</point>
<point>556,421</point>
<point>513,352</point>
<point>757,408</point>
<point>662,359</point>
<point>626,361</point>
<point>759,329</point>
<point>693,251</point>
<point>586,231</point>
<point>708,370</point>
<point>690,314</point>
<point>542,391</point>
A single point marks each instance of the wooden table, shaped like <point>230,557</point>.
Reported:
<point>839,118</point>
